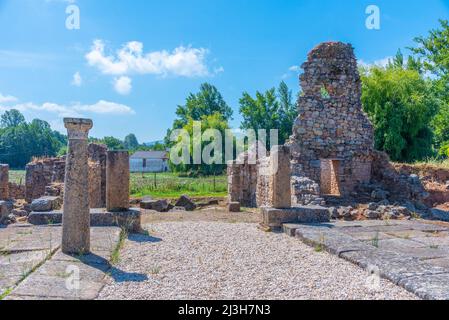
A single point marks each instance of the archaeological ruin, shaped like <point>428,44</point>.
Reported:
<point>331,154</point>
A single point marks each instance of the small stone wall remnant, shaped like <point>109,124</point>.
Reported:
<point>273,183</point>
<point>117,181</point>
<point>243,175</point>
<point>95,190</point>
<point>44,176</point>
<point>16,191</point>
<point>4,182</point>
<point>98,153</point>
<point>40,173</point>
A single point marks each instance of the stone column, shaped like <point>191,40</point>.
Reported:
<point>280,177</point>
<point>4,182</point>
<point>76,215</point>
<point>117,181</point>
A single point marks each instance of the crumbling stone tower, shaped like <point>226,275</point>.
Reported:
<point>332,142</point>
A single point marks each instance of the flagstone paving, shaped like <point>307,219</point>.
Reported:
<point>412,254</point>
<point>32,267</point>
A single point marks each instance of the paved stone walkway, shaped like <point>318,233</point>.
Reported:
<point>33,267</point>
<point>411,254</point>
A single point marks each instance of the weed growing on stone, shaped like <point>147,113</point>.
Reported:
<point>115,256</point>
<point>5,294</point>
<point>375,240</point>
<point>320,246</point>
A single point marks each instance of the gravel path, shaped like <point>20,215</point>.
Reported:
<point>213,260</point>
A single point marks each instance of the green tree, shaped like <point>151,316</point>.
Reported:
<point>214,121</point>
<point>206,102</point>
<point>432,54</point>
<point>20,141</point>
<point>401,106</point>
<point>130,142</point>
<point>113,143</point>
<point>11,118</point>
<point>208,107</point>
<point>269,110</point>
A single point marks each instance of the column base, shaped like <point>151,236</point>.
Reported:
<point>129,220</point>
<point>274,218</point>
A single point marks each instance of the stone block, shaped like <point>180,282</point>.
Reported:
<point>439,214</point>
<point>156,205</point>
<point>117,181</point>
<point>275,218</point>
<point>130,219</point>
<point>185,202</point>
<point>280,177</point>
<point>4,182</point>
<point>234,207</point>
<point>46,204</point>
<point>5,210</point>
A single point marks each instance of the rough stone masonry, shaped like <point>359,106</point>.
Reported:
<point>4,182</point>
<point>332,142</point>
<point>76,215</point>
<point>117,181</point>
<point>332,145</point>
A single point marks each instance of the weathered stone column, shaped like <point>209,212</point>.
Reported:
<point>4,182</point>
<point>117,181</point>
<point>76,215</point>
<point>280,177</point>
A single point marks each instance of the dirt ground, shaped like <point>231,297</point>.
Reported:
<point>210,214</point>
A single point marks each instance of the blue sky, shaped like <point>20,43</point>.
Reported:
<point>168,48</point>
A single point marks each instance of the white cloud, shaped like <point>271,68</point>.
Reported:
<point>380,62</point>
<point>7,99</point>
<point>291,70</point>
<point>294,68</point>
<point>123,85</point>
<point>131,59</point>
<point>77,80</point>
<point>105,107</point>
<point>73,110</point>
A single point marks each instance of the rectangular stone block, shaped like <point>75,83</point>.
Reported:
<point>4,182</point>
<point>280,177</point>
<point>117,181</point>
<point>275,218</point>
<point>130,220</point>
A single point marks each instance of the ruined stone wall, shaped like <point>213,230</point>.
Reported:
<point>45,176</point>
<point>41,173</point>
<point>95,196</point>
<point>400,186</point>
<point>242,181</point>
<point>273,180</point>
<point>332,135</point>
<point>16,191</point>
<point>98,153</point>
<point>243,175</point>
<point>263,183</point>
<point>4,180</point>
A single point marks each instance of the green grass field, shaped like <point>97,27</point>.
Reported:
<point>169,185</point>
<point>162,185</point>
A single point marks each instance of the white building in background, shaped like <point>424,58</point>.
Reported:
<point>149,161</point>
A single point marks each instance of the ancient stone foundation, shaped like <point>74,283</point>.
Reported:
<point>4,182</point>
<point>117,181</point>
